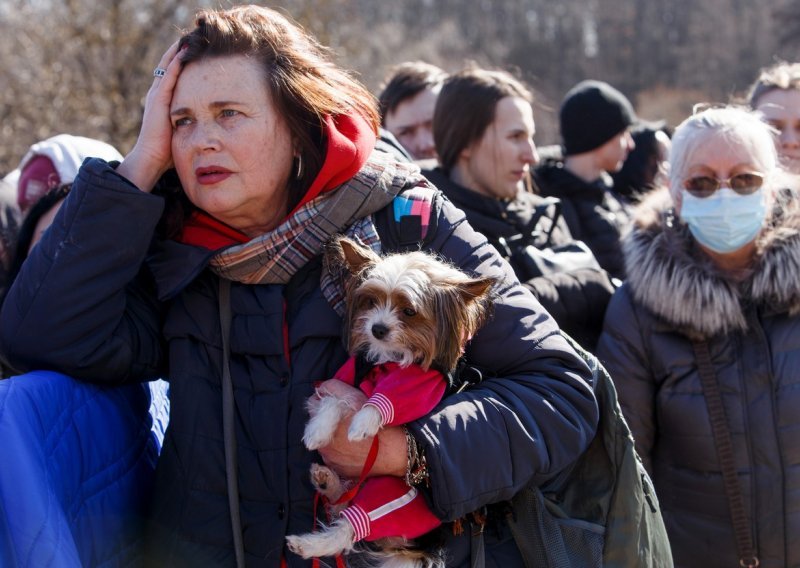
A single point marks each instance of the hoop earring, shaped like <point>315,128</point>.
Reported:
<point>299,173</point>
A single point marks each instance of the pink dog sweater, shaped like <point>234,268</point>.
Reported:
<point>385,505</point>
<point>401,394</point>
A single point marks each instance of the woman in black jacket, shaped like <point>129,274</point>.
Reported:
<point>264,148</point>
<point>483,126</point>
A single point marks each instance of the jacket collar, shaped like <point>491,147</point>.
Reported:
<point>554,179</point>
<point>496,217</point>
<point>670,276</point>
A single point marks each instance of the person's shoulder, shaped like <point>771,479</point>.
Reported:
<point>553,179</point>
<point>548,167</point>
<point>411,218</point>
<point>387,143</point>
<point>434,174</point>
<point>624,314</point>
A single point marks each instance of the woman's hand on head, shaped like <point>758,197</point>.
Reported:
<point>151,156</point>
<point>347,458</point>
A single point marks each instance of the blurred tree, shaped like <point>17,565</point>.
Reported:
<point>83,66</point>
<point>787,22</point>
<point>80,67</point>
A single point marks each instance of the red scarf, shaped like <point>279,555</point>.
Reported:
<point>350,140</point>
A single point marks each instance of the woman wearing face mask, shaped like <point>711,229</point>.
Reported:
<point>711,303</point>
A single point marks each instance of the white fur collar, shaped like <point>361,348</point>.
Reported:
<point>671,277</point>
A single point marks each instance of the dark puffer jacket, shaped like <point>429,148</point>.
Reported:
<point>577,297</point>
<point>674,292</point>
<point>103,321</point>
<point>593,214</point>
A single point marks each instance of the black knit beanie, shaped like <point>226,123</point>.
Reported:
<point>593,112</point>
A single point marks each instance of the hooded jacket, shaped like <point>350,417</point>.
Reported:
<point>63,154</point>
<point>593,213</point>
<point>675,293</point>
<point>111,317</point>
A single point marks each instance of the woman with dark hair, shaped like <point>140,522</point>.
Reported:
<point>483,127</point>
<point>264,148</point>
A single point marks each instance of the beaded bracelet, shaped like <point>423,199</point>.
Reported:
<point>417,466</point>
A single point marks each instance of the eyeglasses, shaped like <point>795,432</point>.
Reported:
<point>743,184</point>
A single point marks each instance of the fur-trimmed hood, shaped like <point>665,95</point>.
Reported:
<point>670,275</point>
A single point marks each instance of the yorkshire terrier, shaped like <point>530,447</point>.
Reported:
<point>409,316</point>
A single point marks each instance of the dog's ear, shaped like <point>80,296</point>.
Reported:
<point>355,256</point>
<point>460,306</point>
<point>476,289</point>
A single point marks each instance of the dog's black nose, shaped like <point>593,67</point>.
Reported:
<point>379,331</point>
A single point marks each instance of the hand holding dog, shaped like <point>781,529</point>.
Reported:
<point>347,458</point>
<point>408,316</point>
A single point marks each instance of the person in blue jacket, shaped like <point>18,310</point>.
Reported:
<point>254,150</point>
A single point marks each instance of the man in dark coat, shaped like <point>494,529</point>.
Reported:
<point>595,120</point>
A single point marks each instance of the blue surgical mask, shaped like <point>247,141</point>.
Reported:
<point>724,221</point>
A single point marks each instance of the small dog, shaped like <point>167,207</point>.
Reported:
<point>409,317</point>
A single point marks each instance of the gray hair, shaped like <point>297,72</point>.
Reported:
<point>782,76</point>
<point>736,125</point>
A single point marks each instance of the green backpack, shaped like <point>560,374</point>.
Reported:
<point>603,510</point>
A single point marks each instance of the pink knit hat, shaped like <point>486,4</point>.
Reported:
<point>35,179</point>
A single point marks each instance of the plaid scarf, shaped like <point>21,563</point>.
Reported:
<point>276,256</point>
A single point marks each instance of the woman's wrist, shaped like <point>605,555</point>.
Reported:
<point>142,176</point>
<point>392,453</point>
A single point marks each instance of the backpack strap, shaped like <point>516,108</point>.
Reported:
<point>724,446</point>
<point>409,222</point>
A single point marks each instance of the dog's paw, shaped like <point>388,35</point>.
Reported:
<point>322,424</point>
<point>365,424</point>
<point>330,541</point>
<point>298,545</point>
<point>316,438</point>
<point>325,480</point>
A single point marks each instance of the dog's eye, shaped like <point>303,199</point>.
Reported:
<point>410,312</point>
